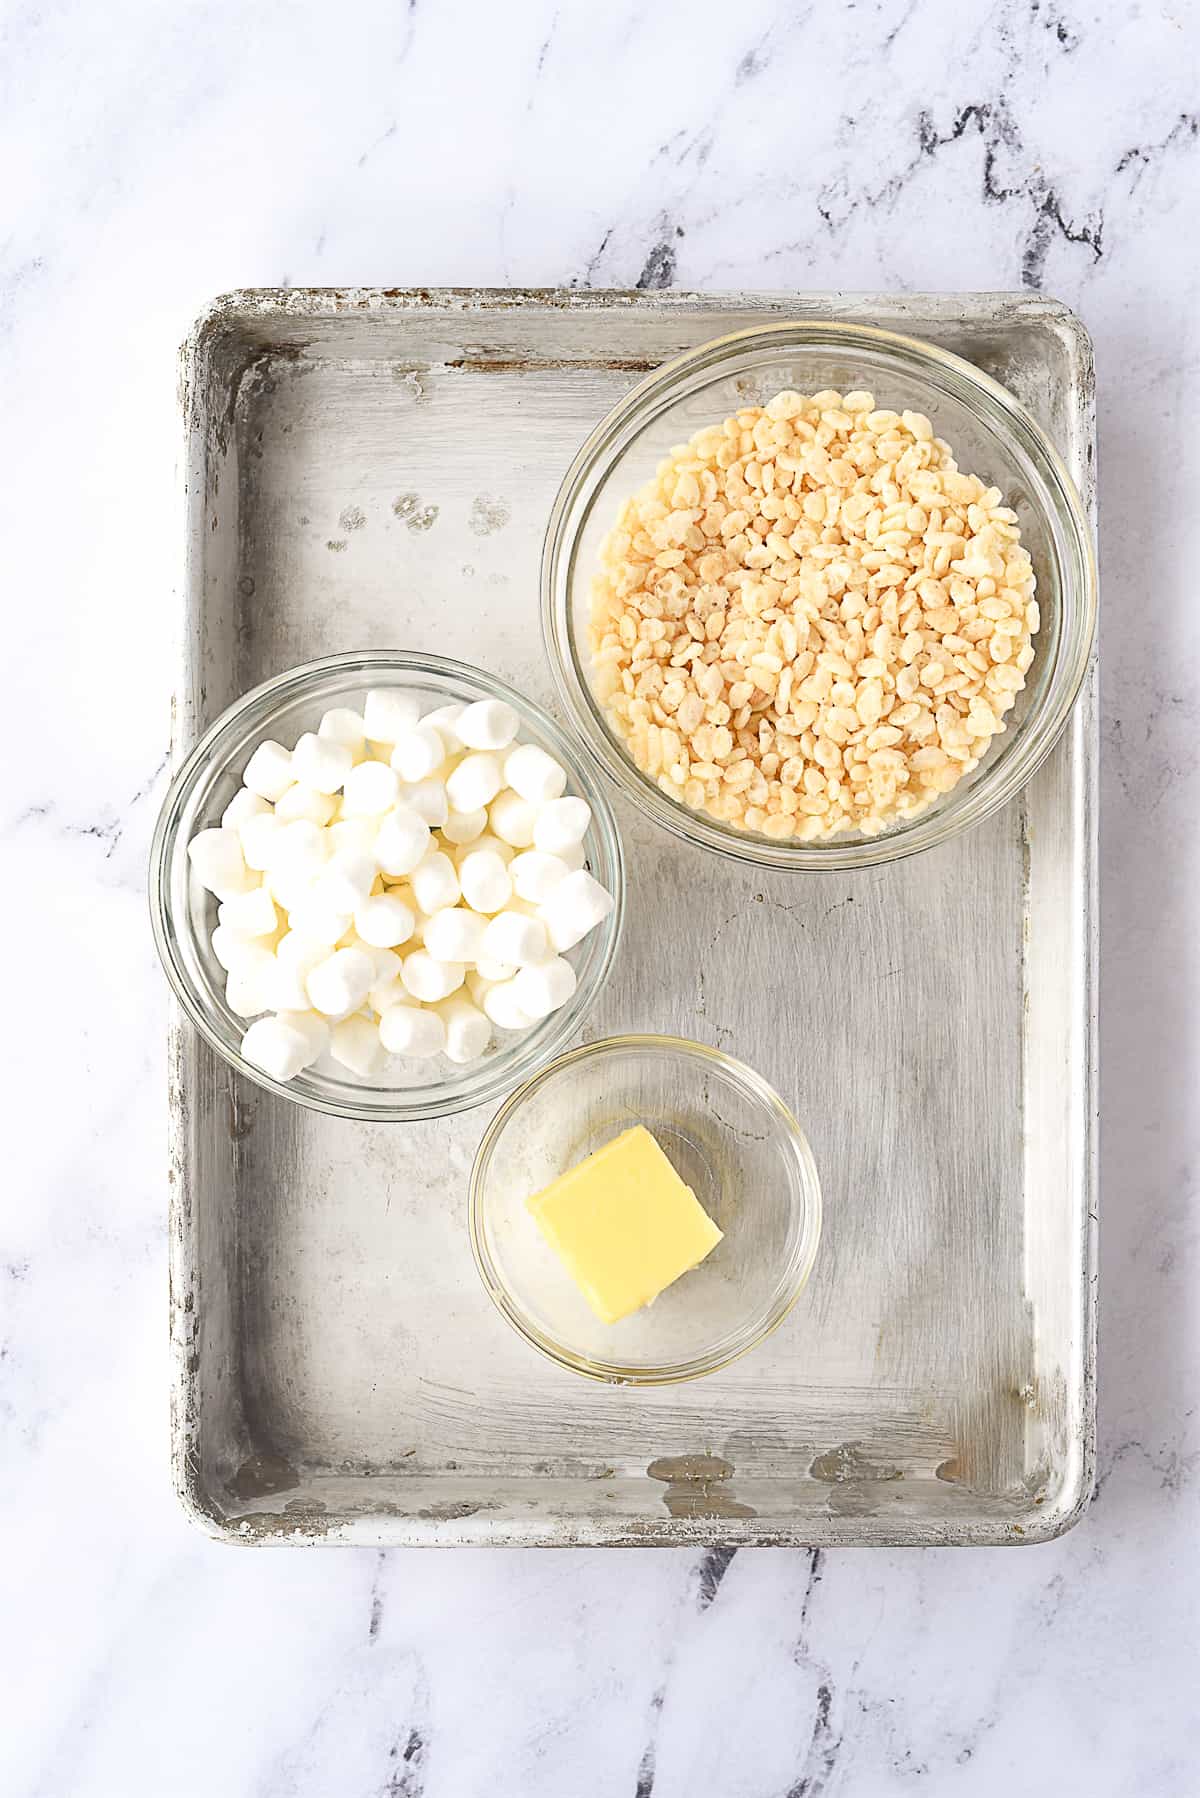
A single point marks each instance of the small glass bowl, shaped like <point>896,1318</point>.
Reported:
<point>992,436</point>
<point>729,1136</point>
<point>183,913</point>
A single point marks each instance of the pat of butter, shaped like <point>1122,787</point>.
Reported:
<point>624,1224</point>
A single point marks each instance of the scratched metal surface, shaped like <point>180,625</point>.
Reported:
<point>369,469</point>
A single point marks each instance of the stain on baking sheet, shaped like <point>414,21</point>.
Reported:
<point>848,1462</point>
<point>353,518</point>
<point>489,515</point>
<point>698,1486</point>
<point>408,507</point>
<point>262,1475</point>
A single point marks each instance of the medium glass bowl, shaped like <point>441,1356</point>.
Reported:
<point>183,913</point>
<point>991,435</point>
<point>729,1136</point>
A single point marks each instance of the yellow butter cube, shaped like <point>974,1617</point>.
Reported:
<point>624,1224</point>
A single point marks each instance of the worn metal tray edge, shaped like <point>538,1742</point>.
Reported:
<point>263,1525</point>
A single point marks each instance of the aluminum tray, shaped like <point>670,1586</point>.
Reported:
<point>371,469</point>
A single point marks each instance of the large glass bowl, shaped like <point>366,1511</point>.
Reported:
<point>991,435</point>
<point>729,1136</point>
<point>183,913</point>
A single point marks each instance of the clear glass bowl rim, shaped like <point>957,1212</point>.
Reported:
<point>232,730</point>
<point>797,1272</point>
<point>1038,731</point>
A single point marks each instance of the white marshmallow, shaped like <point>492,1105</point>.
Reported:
<point>512,937</point>
<point>541,989</point>
<point>269,770</point>
<point>383,921</point>
<point>468,1031</point>
<point>300,849</point>
<point>342,725</point>
<point>312,1027</point>
<point>358,834</point>
<point>536,776</point>
<point>407,1030</point>
<point>356,1044</point>
<point>370,788</point>
<point>276,1048</point>
<point>242,806</point>
<point>386,993</point>
<point>463,827</point>
<point>387,962</point>
<point>535,875</point>
<point>249,914</point>
<point>575,906</point>
<point>512,818</point>
<point>248,989</point>
<point>388,713</point>
<point>485,883</point>
<point>218,863</point>
<point>435,882</point>
<point>321,762</point>
<point>402,842</point>
<point>305,802</point>
<point>429,979</point>
<point>454,934</point>
<point>561,823</point>
<point>259,836</point>
<point>488,841</point>
<point>418,753</point>
<point>475,782</point>
<point>572,859</point>
<point>289,890</point>
<point>428,799</point>
<point>346,881</point>
<point>502,1006</point>
<point>338,985</point>
<point>488,724</point>
<point>230,949</point>
<point>445,721</point>
<point>320,922</point>
<point>494,971</point>
<point>295,958</point>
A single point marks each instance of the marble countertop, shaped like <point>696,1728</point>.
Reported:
<point>158,155</point>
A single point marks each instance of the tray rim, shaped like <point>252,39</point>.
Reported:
<point>383,1529</point>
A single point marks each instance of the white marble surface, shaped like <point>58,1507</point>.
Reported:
<point>157,154</point>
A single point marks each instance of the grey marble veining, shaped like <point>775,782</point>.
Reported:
<point>158,155</point>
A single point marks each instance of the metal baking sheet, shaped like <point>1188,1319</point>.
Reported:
<point>370,469</point>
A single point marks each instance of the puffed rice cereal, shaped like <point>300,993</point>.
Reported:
<point>809,621</point>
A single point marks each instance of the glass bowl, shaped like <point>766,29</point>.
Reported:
<point>183,913</point>
<point>991,435</point>
<point>729,1136</point>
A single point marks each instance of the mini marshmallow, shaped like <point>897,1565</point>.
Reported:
<point>494,971</point>
<point>468,1031</point>
<point>295,959</point>
<point>454,934</point>
<point>230,949</point>
<point>407,1030</point>
<point>512,818</point>
<point>486,886</point>
<point>575,906</point>
<point>218,863</point>
<point>418,753</point>
<point>435,882</point>
<point>543,988</point>
<point>269,771</point>
<point>445,722</point>
<point>387,962</point>
<point>369,789</point>
<point>320,922</point>
<point>312,1027</point>
<point>493,843</point>
<point>463,827</point>
<point>572,859</point>
<point>259,836</point>
<point>321,762</point>
<point>358,834</point>
<point>276,1048</point>
<point>344,726</point>
<point>355,1042</point>
<point>248,988</point>
<point>346,881</point>
<point>301,849</point>
<point>561,823</point>
<point>402,842</point>
<point>305,802</point>
<point>511,937</point>
<point>475,782</point>
<point>383,921</point>
<point>387,714</point>
<point>533,774</point>
<point>289,890</point>
<point>502,1006</point>
<point>535,875</point>
<point>428,799</point>
<point>242,806</point>
<point>249,914</point>
<point>386,993</point>
<point>488,724</point>
<point>338,985</point>
<point>429,979</point>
